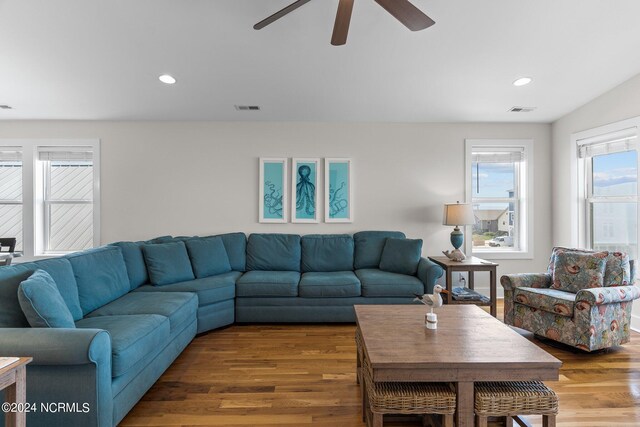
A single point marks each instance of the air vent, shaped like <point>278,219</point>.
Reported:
<point>521,109</point>
<point>247,108</point>
<point>5,107</point>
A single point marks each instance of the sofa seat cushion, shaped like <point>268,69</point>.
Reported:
<point>378,283</point>
<point>329,284</point>
<point>545,299</point>
<point>133,337</point>
<point>179,307</point>
<point>268,284</point>
<point>209,289</point>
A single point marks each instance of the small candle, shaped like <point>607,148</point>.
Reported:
<point>431,321</point>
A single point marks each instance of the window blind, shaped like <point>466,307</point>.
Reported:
<point>65,154</point>
<point>610,147</point>
<point>11,154</point>
<point>511,156</point>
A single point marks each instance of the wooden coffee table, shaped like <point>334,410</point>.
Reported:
<point>469,346</point>
<point>13,381</point>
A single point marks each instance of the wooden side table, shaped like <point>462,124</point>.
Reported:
<point>13,379</point>
<point>471,265</point>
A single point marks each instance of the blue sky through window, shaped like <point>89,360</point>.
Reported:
<point>492,179</point>
<point>615,174</point>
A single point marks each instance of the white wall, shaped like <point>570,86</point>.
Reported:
<point>622,102</point>
<point>202,177</point>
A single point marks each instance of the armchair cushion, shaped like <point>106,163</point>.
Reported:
<point>42,303</point>
<point>573,271</point>
<point>618,269</point>
<point>551,300</point>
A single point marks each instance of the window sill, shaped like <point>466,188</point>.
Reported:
<point>491,255</point>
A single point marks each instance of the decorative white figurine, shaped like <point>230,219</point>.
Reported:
<point>433,301</point>
<point>455,255</point>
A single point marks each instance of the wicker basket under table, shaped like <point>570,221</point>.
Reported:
<point>406,398</point>
<point>509,399</point>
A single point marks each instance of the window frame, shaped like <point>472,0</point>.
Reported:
<point>523,197</point>
<point>33,213</point>
<point>582,235</point>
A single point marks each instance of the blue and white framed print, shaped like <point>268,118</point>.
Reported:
<point>304,189</point>
<point>338,203</point>
<point>273,190</point>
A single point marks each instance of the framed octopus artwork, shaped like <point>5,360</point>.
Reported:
<point>273,199</point>
<point>338,203</point>
<point>304,190</point>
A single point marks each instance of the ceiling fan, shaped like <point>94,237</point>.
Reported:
<point>405,12</point>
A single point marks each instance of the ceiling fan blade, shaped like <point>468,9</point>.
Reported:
<point>279,14</point>
<point>341,27</point>
<point>410,16</point>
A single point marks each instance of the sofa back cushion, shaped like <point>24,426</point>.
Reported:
<point>168,263</point>
<point>134,260</point>
<point>574,271</point>
<point>619,270</point>
<point>236,246</point>
<point>327,252</point>
<point>273,252</point>
<point>401,256</point>
<point>11,315</point>
<point>42,303</point>
<point>369,245</point>
<point>101,275</point>
<point>208,256</point>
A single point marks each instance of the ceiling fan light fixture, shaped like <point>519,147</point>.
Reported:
<point>167,79</point>
<point>522,81</point>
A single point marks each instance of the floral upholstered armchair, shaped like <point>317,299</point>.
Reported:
<point>583,300</point>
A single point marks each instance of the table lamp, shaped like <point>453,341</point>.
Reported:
<point>457,214</point>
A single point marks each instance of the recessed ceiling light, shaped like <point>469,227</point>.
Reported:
<point>166,78</point>
<point>522,81</point>
<point>6,107</point>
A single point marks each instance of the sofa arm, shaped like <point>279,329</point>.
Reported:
<point>57,346</point>
<point>70,366</point>
<point>428,273</point>
<point>529,280</point>
<point>609,295</point>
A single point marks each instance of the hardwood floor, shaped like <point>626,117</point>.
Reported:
<point>297,375</point>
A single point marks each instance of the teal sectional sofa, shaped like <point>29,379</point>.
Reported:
<point>137,305</point>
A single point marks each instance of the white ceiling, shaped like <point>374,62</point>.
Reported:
<point>97,59</point>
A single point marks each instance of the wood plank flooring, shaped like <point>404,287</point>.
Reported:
<point>298,375</point>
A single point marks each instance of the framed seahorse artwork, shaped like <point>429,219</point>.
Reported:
<point>304,190</point>
<point>273,199</point>
<point>338,187</point>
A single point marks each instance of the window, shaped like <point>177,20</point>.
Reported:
<point>11,194</point>
<point>609,169</point>
<point>499,187</point>
<point>59,210</point>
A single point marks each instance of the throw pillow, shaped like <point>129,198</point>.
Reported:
<point>42,303</point>
<point>574,271</point>
<point>167,263</point>
<point>401,256</point>
<point>208,256</point>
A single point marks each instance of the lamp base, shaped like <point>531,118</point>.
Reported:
<point>455,255</point>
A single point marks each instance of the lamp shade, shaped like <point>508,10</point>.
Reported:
<point>458,214</point>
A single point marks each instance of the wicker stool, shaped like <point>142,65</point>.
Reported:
<point>508,399</point>
<point>406,398</point>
